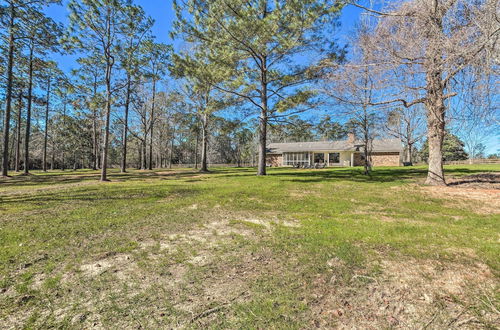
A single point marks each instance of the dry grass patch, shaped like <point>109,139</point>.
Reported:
<point>197,273</point>
<point>408,294</point>
<point>488,180</point>
<point>485,201</point>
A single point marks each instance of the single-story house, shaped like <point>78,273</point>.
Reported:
<point>350,152</point>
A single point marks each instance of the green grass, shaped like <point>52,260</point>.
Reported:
<point>229,249</point>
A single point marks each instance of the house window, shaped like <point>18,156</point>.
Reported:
<point>319,158</point>
<point>334,158</point>
<point>293,158</point>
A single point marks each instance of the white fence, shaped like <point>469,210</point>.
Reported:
<point>473,161</point>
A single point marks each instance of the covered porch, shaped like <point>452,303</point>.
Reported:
<point>321,158</point>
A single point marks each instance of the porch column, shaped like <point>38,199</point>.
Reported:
<point>327,159</point>
<point>352,159</point>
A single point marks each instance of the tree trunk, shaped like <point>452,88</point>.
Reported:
<point>139,155</point>
<point>367,140</point>
<point>104,168</point>
<point>238,156</point>
<point>63,156</point>
<point>8,97</point>
<point>109,67</point>
<point>263,120</point>
<point>75,162</point>
<point>196,151</point>
<point>171,151</point>
<point>18,133</point>
<point>435,129</point>
<point>152,126</point>
<point>53,160</point>
<point>144,143</point>
<point>28,115</point>
<point>435,136</point>
<point>95,144</point>
<point>125,127</point>
<point>144,155</point>
<point>410,153</point>
<point>204,144</point>
<point>46,133</point>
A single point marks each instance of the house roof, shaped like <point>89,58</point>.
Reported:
<point>379,145</point>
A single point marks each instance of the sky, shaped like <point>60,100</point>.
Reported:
<point>162,12</point>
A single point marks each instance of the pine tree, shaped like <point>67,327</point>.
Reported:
<point>201,74</point>
<point>89,80</point>
<point>42,35</point>
<point>255,44</point>
<point>157,58</point>
<point>136,29</point>
<point>97,24</point>
<point>453,149</point>
<point>16,15</point>
<point>50,75</point>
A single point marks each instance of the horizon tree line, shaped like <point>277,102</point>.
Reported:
<point>135,101</point>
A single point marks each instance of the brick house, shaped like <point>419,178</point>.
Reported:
<point>343,153</point>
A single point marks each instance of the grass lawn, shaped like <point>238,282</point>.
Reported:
<point>295,249</point>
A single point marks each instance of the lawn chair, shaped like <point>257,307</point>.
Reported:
<point>323,166</point>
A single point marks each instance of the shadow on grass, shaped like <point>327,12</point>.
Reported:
<point>53,178</point>
<point>94,194</point>
<point>356,174</point>
<point>383,174</point>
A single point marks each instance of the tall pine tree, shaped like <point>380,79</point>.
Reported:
<point>257,44</point>
<point>97,25</point>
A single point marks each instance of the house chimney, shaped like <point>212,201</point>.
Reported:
<point>351,138</point>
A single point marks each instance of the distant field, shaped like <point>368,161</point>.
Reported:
<point>228,249</point>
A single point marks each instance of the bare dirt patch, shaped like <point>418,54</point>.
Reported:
<point>408,294</point>
<point>482,181</point>
<point>481,189</point>
<point>209,234</point>
<point>201,282</point>
<point>487,201</point>
<point>116,263</point>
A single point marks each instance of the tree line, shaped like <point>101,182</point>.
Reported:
<point>243,75</point>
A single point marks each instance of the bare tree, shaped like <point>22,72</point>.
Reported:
<point>408,125</point>
<point>354,91</point>
<point>423,46</point>
<point>354,88</point>
<point>474,115</point>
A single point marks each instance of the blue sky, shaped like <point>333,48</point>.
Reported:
<point>161,11</point>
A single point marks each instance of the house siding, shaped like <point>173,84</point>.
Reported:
<point>345,158</point>
<point>386,159</point>
<point>274,160</point>
<point>380,159</point>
